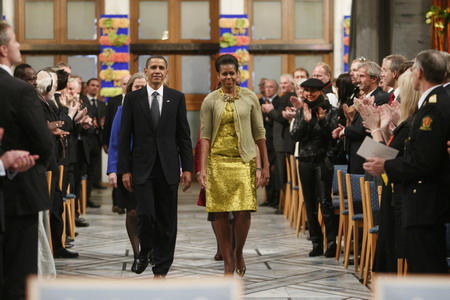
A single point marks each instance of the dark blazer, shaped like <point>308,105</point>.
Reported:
<point>98,113</point>
<point>424,169</point>
<point>171,140</point>
<point>111,109</point>
<point>23,119</point>
<point>380,96</point>
<point>281,137</point>
<point>268,126</point>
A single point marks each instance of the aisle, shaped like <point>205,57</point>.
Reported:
<point>278,266</point>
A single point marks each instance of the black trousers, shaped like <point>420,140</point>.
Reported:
<point>20,254</point>
<point>316,179</point>
<point>157,213</point>
<point>272,187</point>
<point>56,208</point>
<point>426,249</point>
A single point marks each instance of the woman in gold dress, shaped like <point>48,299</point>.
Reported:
<point>231,125</point>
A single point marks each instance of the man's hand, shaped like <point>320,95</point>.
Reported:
<point>374,166</point>
<point>80,115</point>
<point>18,160</point>
<point>127,181</point>
<point>289,113</point>
<point>337,132</point>
<point>266,108</point>
<point>86,122</point>
<point>2,131</point>
<point>112,178</point>
<point>448,144</point>
<point>55,124</point>
<point>186,180</point>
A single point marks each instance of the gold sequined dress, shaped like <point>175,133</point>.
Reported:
<point>231,183</point>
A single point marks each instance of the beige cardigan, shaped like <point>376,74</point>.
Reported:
<point>247,120</point>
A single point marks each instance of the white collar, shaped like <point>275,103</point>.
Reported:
<point>7,69</point>
<point>150,90</point>
<point>425,95</point>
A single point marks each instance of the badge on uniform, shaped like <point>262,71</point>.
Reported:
<point>426,123</point>
<point>432,99</point>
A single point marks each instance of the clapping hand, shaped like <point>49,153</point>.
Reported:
<point>289,113</point>
<point>306,113</point>
<point>296,102</point>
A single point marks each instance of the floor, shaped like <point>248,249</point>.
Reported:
<point>278,266</point>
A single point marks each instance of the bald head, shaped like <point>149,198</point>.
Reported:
<point>124,83</point>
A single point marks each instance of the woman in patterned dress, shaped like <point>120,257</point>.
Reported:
<point>231,125</point>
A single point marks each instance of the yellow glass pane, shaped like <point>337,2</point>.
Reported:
<point>153,20</point>
<point>267,20</point>
<point>195,21</point>
<point>309,19</point>
<point>39,20</point>
<point>81,20</point>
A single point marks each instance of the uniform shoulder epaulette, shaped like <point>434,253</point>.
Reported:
<point>432,99</point>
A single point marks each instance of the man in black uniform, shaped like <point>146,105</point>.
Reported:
<point>425,169</point>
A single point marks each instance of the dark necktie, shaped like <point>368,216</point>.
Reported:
<point>94,107</point>
<point>155,110</point>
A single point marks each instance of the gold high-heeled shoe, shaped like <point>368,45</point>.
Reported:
<point>241,272</point>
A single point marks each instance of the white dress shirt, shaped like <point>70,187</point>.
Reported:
<point>150,91</point>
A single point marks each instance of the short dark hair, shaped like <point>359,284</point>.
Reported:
<point>226,59</point>
<point>396,61</point>
<point>19,71</point>
<point>301,70</point>
<point>433,65</point>
<point>92,79</point>
<point>156,56</point>
<point>63,77</point>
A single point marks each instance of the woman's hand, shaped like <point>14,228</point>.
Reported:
<point>321,113</point>
<point>259,182</point>
<point>112,178</point>
<point>306,113</point>
<point>296,102</point>
<point>202,179</point>
<point>349,112</point>
<point>265,176</point>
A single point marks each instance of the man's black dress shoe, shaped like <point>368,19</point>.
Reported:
<point>68,245</point>
<point>99,187</point>
<point>265,204</point>
<point>80,222</point>
<point>133,266</point>
<point>64,253</point>
<point>92,204</point>
<point>141,263</point>
<point>331,250</point>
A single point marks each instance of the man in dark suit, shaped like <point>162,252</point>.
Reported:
<point>355,133</point>
<point>92,137</point>
<point>111,109</point>
<point>26,194</point>
<point>154,123</point>
<point>424,169</point>
<point>272,188</point>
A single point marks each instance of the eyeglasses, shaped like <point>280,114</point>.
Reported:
<point>361,58</point>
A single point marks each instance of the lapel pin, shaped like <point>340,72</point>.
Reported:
<point>168,101</point>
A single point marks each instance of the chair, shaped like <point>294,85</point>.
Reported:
<point>354,182</point>
<point>83,198</point>
<point>301,209</point>
<point>294,191</point>
<point>343,211</point>
<point>372,206</point>
<point>47,223</point>
<point>287,189</point>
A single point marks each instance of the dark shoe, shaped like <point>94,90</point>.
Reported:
<point>265,204</point>
<point>80,222</point>
<point>63,253</point>
<point>241,272</point>
<point>115,209</point>
<point>331,250</point>
<point>69,239</point>
<point>68,245</point>
<point>133,267</point>
<point>121,211</point>
<point>218,257</point>
<point>143,260</point>
<point>92,204</point>
<point>159,276</point>
<point>278,212</point>
<point>317,250</point>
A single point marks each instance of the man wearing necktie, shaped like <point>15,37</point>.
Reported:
<point>92,136</point>
<point>155,151</point>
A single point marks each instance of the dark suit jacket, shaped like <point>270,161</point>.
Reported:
<point>268,126</point>
<point>281,137</point>
<point>424,169</point>
<point>356,133</point>
<point>22,117</point>
<point>111,109</point>
<point>170,141</point>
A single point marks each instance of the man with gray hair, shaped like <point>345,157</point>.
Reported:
<point>424,170</point>
<point>390,74</point>
<point>322,71</point>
